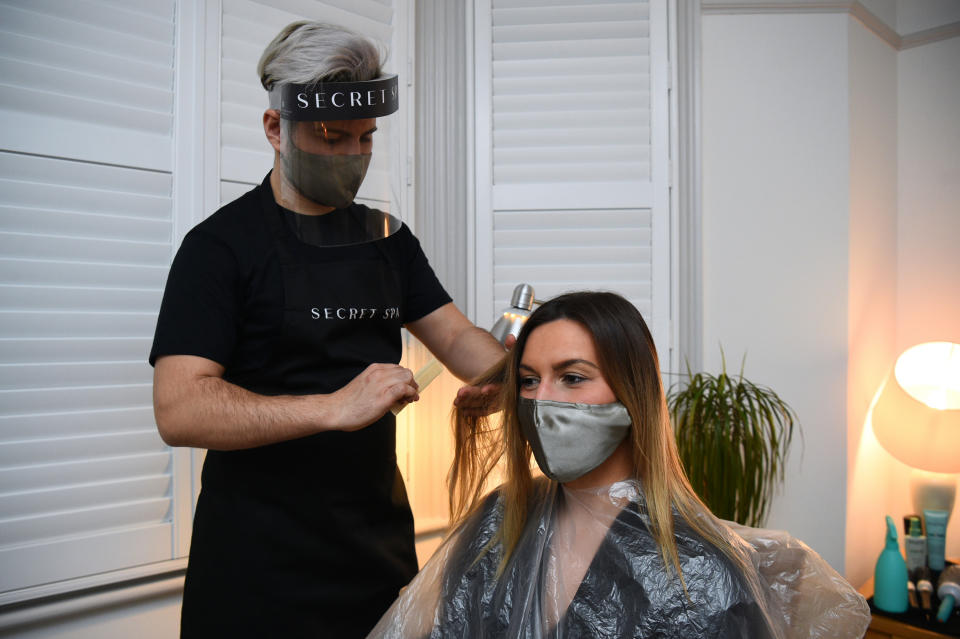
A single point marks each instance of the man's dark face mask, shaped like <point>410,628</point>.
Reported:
<point>331,180</point>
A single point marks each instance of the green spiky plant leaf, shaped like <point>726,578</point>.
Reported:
<point>733,437</point>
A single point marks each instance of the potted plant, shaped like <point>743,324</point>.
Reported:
<point>733,437</point>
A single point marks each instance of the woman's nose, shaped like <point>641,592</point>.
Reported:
<point>545,390</point>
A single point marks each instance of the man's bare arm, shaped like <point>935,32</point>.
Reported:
<point>195,406</point>
<point>466,350</point>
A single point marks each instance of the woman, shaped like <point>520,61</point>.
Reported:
<point>614,543</point>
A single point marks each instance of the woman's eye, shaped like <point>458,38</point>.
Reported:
<point>528,383</point>
<point>572,379</point>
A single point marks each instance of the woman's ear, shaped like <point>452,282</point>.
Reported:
<point>271,128</point>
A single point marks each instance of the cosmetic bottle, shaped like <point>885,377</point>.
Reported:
<point>890,576</point>
<point>936,524</point>
<point>906,522</point>
<point>915,545</point>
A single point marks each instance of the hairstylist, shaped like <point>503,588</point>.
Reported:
<point>277,347</point>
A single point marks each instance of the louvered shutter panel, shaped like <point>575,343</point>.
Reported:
<point>86,484</point>
<point>248,27</point>
<point>576,193</point>
<point>87,230</point>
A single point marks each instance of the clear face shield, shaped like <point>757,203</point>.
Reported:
<point>327,134</point>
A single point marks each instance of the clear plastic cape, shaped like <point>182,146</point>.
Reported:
<point>586,565</point>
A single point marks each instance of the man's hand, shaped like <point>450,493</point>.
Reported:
<point>372,393</point>
<point>478,401</point>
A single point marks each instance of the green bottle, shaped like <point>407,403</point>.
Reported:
<point>890,576</point>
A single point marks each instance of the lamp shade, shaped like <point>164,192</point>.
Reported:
<point>916,416</point>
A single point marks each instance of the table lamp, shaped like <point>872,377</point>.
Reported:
<point>916,418</point>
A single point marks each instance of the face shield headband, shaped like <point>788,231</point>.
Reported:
<point>336,100</point>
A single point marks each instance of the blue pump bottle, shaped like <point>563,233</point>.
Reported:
<point>890,576</point>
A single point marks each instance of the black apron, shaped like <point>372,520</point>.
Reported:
<point>311,537</point>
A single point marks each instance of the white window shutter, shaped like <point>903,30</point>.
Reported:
<point>88,225</point>
<point>86,484</point>
<point>573,159</point>
<point>88,80</point>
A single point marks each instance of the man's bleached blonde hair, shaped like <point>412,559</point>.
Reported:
<point>306,52</point>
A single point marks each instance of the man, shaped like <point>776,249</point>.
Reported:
<point>277,347</point>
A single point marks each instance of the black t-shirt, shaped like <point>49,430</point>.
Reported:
<point>224,295</point>
<point>320,525</point>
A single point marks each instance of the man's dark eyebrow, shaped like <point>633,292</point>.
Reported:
<point>331,129</point>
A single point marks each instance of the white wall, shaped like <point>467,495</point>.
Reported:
<point>928,223</point>
<point>775,239</point>
<point>872,293</point>
<point>929,193</point>
<point>909,261</point>
<point>831,168</point>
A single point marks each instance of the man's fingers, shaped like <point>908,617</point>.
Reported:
<point>467,395</point>
<point>477,400</point>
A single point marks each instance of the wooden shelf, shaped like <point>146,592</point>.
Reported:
<point>886,628</point>
<point>882,627</point>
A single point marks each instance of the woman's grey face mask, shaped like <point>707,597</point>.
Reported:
<point>569,440</point>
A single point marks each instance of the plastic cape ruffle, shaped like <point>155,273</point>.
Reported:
<point>586,565</point>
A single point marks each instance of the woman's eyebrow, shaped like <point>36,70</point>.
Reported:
<point>572,362</point>
<point>561,365</point>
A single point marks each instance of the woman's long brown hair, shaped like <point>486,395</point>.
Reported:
<point>628,359</point>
